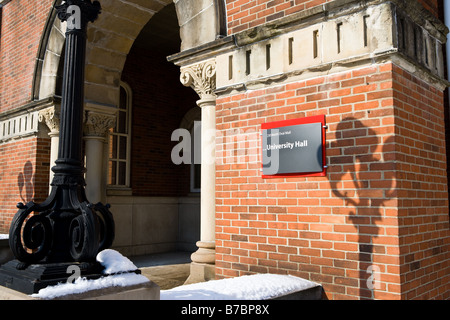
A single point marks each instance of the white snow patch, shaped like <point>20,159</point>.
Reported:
<point>254,287</point>
<point>83,285</point>
<point>113,262</point>
<point>4,236</point>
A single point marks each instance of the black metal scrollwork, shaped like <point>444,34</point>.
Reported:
<point>90,9</point>
<point>106,226</point>
<point>34,243</point>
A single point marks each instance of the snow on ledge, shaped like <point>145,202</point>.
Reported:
<point>82,285</point>
<point>4,236</point>
<point>113,262</point>
<point>254,287</point>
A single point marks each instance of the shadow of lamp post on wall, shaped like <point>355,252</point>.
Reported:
<point>65,229</point>
<point>363,197</point>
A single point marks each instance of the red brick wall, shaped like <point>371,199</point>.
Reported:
<point>246,14</point>
<point>21,31</point>
<point>332,229</point>
<point>421,188</point>
<point>24,163</point>
<point>24,175</point>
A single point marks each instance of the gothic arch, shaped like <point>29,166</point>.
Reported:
<point>111,37</point>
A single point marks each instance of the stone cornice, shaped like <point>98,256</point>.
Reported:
<point>399,14</point>
<point>365,33</point>
<point>30,107</point>
<point>203,52</point>
<point>333,9</point>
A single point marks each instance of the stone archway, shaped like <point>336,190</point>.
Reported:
<point>111,37</point>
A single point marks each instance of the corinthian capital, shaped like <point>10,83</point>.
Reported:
<point>200,77</point>
<point>51,117</point>
<point>98,119</point>
<point>97,124</point>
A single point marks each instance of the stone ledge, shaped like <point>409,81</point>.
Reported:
<point>145,291</point>
<point>252,287</point>
<point>9,294</point>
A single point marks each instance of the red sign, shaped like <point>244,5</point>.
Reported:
<point>294,148</point>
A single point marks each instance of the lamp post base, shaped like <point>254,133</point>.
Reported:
<point>29,279</point>
<point>65,228</point>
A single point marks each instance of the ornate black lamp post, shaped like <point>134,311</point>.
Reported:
<point>66,228</point>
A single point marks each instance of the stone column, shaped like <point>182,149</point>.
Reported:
<point>51,117</point>
<point>202,78</point>
<point>98,120</point>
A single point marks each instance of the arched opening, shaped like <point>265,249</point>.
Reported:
<point>129,43</point>
<point>159,205</point>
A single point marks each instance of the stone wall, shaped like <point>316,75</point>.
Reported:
<point>421,187</point>
<point>155,224</point>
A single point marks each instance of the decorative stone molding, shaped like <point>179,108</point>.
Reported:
<point>98,119</point>
<point>51,117</point>
<point>23,121</point>
<point>345,38</point>
<point>19,126</point>
<point>201,77</point>
<point>98,124</point>
<point>327,39</point>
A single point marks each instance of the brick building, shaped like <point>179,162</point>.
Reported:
<point>374,225</point>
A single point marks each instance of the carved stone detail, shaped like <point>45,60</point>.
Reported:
<point>200,77</point>
<point>51,117</point>
<point>97,124</point>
